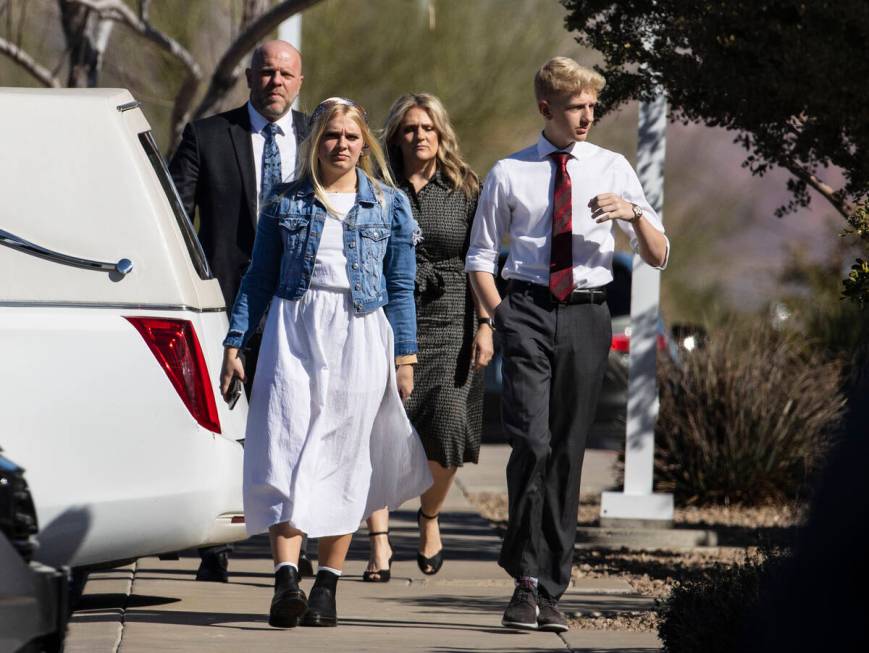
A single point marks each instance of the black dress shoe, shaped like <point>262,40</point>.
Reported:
<point>213,566</point>
<point>321,605</point>
<point>522,610</point>
<point>550,618</point>
<point>289,602</point>
<point>306,567</point>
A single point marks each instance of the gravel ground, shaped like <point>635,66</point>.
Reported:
<point>743,533</point>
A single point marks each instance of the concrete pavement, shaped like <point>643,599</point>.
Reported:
<point>156,605</point>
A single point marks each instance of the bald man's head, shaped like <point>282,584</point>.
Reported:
<point>274,78</point>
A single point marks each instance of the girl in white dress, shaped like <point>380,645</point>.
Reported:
<point>328,441</point>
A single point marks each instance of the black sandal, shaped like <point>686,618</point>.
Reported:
<point>429,566</point>
<point>380,575</point>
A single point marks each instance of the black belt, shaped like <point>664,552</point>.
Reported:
<point>578,296</point>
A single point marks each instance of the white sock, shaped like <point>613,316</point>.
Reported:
<point>286,564</point>
<point>320,568</point>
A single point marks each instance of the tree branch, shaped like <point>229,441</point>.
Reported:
<point>42,74</point>
<point>120,12</point>
<point>823,189</point>
<point>228,69</point>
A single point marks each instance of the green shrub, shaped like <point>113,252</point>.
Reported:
<point>746,419</point>
<point>713,613</point>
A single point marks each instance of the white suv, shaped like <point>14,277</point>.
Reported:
<point>111,326</point>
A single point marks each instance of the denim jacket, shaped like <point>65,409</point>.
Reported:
<point>379,240</point>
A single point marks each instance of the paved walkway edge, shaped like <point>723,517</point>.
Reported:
<point>106,632</point>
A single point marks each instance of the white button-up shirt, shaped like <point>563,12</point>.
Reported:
<point>516,205</point>
<point>286,140</point>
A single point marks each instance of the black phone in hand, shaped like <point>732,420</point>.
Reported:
<point>235,390</point>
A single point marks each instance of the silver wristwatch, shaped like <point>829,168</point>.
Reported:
<point>638,212</point>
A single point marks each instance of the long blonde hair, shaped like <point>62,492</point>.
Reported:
<point>372,161</point>
<point>449,156</point>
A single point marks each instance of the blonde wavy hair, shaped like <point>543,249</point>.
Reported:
<point>449,156</point>
<point>372,160</point>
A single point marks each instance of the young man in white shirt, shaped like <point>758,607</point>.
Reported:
<point>556,203</point>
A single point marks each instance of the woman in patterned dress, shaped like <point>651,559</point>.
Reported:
<point>447,403</point>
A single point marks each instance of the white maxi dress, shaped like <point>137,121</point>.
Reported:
<point>328,441</point>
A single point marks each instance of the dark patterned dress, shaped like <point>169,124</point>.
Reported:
<point>446,405</point>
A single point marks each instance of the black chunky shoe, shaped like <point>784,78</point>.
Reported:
<point>522,610</point>
<point>321,606</point>
<point>213,566</point>
<point>379,575</point>
<point>306,567</point>
<point>428,566</point>
<point>289,602</point>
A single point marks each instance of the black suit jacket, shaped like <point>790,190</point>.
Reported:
<point>213,169</point>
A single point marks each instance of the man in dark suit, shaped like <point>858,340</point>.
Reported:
<point>225,166</point>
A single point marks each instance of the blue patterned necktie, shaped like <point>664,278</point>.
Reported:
<point>271,167</point>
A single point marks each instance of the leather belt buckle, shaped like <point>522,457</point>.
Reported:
<point>587,296</point>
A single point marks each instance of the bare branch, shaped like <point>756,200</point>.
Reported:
<point>826,191</point>
<point>120,12</point>
<point>253,9</point>
<point>228,69</point>
<point>42,74</point>
<point>87,36</point>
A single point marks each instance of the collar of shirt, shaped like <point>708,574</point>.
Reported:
<point>258,122</point>
<point>577,149</point>
<point>438,179</point>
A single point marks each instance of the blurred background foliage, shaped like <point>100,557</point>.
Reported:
<point>728,251</point>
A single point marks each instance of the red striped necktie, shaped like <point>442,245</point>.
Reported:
<point>561,253</point>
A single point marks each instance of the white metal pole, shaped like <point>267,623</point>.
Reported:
<point>291,32</point>
<point>637,501</point>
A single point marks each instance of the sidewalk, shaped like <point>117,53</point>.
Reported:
<point>156,605</point>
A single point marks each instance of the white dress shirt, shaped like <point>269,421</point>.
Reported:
<point>285,138</point>
<point>516,206</point>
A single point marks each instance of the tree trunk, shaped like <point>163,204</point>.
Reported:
<point>252,10</point>
<point>87,37</point>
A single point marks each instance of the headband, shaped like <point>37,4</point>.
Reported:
<point>328,103</point>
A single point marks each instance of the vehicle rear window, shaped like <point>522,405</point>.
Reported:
<point>194,248</point>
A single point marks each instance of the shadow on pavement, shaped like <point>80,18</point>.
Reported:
<point>463,649</point>
<point>446,604</point>
<point>461,532</point>
<point>121,601</point>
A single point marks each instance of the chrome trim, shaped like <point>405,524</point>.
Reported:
<point>185,224</point>
<point>124,266</point>
<point>127,106</point>
<point>134,307</point>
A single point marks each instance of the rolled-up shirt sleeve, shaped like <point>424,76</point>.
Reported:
<point>491,224</point>
<point>632,191</point>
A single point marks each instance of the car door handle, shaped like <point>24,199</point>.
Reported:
<point>124,266</point>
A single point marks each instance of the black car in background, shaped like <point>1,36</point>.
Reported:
<point>608,430</point>
<point>33,597</point>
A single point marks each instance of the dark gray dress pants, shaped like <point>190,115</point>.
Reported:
<point>554,360</point>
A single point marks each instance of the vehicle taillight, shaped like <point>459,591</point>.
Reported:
<point>621,343</point>
<point>176,347</point>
